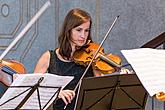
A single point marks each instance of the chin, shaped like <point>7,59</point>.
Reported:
<point>80,44</point>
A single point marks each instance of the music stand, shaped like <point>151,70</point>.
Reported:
<point>33,91</point>
<point>115,92</point>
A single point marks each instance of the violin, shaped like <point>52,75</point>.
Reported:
<point>8,68</point>
<point>85,54</point>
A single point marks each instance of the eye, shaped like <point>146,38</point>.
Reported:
<point>78,29</point>
<point>87,30</point>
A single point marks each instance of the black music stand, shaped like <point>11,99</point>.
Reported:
<point>115,92</point>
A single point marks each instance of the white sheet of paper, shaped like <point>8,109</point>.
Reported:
<point>30,80</point>
<point>149,65</point>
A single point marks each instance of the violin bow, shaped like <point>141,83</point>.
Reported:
<point>26,28</point>
<point>105,37</point>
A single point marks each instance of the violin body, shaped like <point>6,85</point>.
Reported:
<point>13,64</point>
<point>84,55</point>
<point>7,69</point>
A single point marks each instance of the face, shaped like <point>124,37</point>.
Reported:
<point>80,34</point>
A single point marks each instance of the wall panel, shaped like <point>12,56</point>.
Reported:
<point>139,22</point>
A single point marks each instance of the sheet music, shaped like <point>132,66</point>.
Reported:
<point>149,65</point>
<point>31,80</point>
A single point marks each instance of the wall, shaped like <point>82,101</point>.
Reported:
<point>139,22</point>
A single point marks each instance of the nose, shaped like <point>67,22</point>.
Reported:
<point>83,34</point>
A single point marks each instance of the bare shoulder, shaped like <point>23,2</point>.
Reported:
<point>45,58</point>
<point>43,63</point>
<point>46,55</point>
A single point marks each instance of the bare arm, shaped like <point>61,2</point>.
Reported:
<point>42,66</point>
<point>43,63</point>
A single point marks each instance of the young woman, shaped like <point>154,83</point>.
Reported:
<point>75,33</point>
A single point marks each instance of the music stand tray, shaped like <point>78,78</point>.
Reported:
<point>115,92</point>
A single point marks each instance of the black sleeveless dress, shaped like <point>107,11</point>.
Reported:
<point>58,67</point>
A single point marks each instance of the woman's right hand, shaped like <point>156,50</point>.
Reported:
<point>67,96</point>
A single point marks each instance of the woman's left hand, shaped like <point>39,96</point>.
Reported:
<point>125,71</point>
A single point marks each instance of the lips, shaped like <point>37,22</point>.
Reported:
<point>81,41</point>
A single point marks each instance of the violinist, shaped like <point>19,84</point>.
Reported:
<point>75,33</point>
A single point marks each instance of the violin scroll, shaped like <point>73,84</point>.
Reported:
<point>160,96</point>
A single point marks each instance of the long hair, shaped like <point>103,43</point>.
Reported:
<point>74,18</point>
